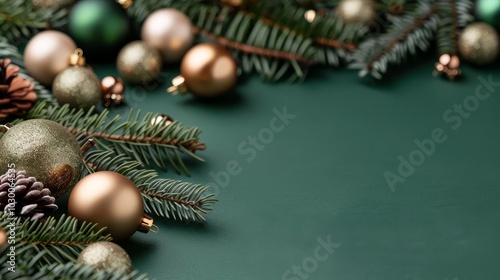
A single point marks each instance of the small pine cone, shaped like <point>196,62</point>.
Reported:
<point>32,199</point>
<point>16,93</point>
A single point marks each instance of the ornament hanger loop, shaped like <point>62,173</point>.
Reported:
<point>77,58</point>
<point>154,229</point>
<point>4,128</point>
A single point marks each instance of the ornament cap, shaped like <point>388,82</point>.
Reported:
<point>147,225</point>
<point>77,58</point>
<point>125,3</point>
<point>179,86</point>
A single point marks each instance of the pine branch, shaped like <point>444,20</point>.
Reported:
<point>19,20</point>
<point>453,16</point>
<point>81,272</point>
<point>60,240</point>
<point>150,144</point>
<point>8,50</point>
<point>166,198</point>
<point>406,34</point>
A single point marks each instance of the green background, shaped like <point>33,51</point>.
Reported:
<point>323,175</point>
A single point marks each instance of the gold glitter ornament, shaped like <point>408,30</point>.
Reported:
<point>356,11</point>
<point>77,85</point>
<point>104,256</point>
<point>138,63</point>
<point>479,43</point>
<point>44,149</point>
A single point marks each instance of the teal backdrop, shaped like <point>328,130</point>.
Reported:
<point>309,198</point>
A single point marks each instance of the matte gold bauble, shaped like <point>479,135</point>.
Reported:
<point>170,32</point>
<point>138,63</point>
<point>104,256</point>
<point>356,11</point>
<point>46,150</point>
<point>479,43</point>
<point>111,200</point>
<point>46,55</point>
<point>207,71</point>
<point>77,85</point>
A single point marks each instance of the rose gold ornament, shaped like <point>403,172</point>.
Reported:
<point>449,66</point>
<point>46,55</point>
<point>170,32</point>
<point>111,200</point>
<point>3,237</point>
<point>113,91</point>
<point>207,70</point>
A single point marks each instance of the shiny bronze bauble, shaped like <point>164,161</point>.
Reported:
<point>113,91</point>
<point>209,70</point>
<point>109,199</point>
<point>46,150</point>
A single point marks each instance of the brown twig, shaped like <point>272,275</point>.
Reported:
<point>190,145</point>
<point>418,23</point>
<point>253,50</point>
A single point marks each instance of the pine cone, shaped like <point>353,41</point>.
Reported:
<point>16,93</point>
<point>32,198</point>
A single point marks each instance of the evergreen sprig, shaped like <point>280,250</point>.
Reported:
<point>453,16</point>
<point>147,141</point>
<point>19,19</point>
<point>407,33</point>
<point>54,241</point>
<point>164,197</point>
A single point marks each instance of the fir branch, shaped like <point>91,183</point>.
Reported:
<point>406,34</point>
<point>166,198</point>
<point>60,240</point>
<point>453,16</point>
<point>19,20</point>
<point>10,51</point>
<point>150,144</point>
<point>81,272</point>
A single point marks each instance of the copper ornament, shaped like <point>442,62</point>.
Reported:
<point>449,66</point>
<point>113,91</point>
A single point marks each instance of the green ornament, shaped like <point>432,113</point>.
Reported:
<point>488,11</point>
<point>98,26</point>
<point>46,150</point>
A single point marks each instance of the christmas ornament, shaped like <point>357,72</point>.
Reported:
<point>207,70</point>
<point>138,63</point>
<point>77,85</point>
<point>113,91</point>
<point>16,94</point>
<point>356,11</point>
<point>162,118</point>
<point>3,238</point>
<point>111,200</point>
<point>479,43</point>
<point>170,32</point>
<point>104,256</point>
<point>32,199</point>
<point>46,55</point>
<point>46,150</point>
<point>98,26</point>
<point>52,4</point>
<point>488,11</point>
<point>234,3</point>
<point>449,66</point>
